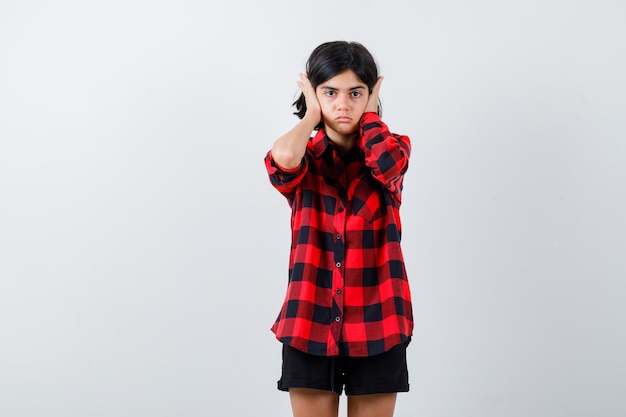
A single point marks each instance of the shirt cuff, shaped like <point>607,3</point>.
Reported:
<point>281,168</point>
<point>370,116</point>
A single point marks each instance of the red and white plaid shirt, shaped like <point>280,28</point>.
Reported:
<point>348,292</point>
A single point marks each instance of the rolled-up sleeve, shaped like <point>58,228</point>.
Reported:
<point>285,180</point>
<point>386,154</point>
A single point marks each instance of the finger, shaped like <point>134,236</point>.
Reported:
<point>379,81</point>
<point>305,90</point>
<point>304,84</point>
<point>306,81</point>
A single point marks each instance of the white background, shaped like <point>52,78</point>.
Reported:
<point>143,252</point>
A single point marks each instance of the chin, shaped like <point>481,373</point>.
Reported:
<point>344,129</point>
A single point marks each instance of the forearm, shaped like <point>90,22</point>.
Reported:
<point>289,149</point>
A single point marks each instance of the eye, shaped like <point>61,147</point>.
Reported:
<point>330,93</point>
<point>355,94</point>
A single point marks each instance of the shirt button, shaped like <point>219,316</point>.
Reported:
<point>338,236</point>
<point>340,209</point>
<point>337,319</point>
<point>338,291</point>
<point>338,264</point>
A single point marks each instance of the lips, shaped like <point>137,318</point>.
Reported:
<point>343,119</point>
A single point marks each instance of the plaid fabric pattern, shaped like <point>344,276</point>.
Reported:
<point>347,292</point>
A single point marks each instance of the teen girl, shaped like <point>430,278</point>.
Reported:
<point>347,317</point>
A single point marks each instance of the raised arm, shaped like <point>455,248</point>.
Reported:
<point>289,149</point>
<point>386,154</point>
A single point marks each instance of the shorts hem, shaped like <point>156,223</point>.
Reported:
<point>378,389</point>
<point>284,385</point>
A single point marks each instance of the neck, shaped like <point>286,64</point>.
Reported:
<point>343,142</point>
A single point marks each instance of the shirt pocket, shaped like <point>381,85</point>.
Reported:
<point>368,200</point>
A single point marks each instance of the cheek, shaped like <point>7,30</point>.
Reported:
<point>360,108</point>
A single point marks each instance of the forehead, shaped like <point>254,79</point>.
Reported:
<point>346,80</point>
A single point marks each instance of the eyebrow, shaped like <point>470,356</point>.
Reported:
<point>327,87</point>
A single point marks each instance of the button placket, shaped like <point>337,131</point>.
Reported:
<point>339,224</point>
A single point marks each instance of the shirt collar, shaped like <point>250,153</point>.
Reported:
<point>319,143</point>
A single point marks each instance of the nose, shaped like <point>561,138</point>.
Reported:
<point>342,102</point>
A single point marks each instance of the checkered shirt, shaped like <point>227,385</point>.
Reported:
<point>347,292</point>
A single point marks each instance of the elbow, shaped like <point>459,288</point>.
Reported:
<point>286,159</point>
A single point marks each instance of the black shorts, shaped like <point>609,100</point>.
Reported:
<point>384,373</point>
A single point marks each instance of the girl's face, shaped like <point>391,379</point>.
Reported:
<point>343,100</point>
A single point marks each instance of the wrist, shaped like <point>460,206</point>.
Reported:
<point>312,118</point>
<point>369,115</point>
